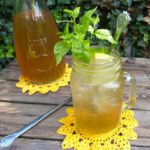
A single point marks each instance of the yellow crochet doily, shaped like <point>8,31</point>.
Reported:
<point>117,139</point>
<point>45,88</point>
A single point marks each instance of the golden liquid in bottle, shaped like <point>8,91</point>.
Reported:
<point>35,35</point>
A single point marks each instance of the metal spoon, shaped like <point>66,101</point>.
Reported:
<point>10,139</point>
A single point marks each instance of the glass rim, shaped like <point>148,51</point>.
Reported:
<point>115,54</point>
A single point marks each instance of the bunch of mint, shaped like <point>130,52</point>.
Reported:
<point>76,40</point>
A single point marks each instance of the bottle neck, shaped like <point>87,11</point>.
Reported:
<point>29,5</point>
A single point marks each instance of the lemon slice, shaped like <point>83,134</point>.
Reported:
<point>100,57</point>
<point>105,74</point>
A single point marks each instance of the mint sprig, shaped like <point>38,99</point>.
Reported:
<point>61,49</point>
<point>104,34</point>
<point>122,22</point>
<point>76,40</point>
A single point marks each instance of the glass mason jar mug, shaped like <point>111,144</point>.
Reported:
<point>35,34</point>
<point>97,92</point>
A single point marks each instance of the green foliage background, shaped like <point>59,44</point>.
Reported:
<point>6,30</point>
<point>133,43</point>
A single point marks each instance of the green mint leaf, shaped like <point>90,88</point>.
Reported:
<point>95,20</point>
<point>100,49</point>
<point>76,12</point>
<point>83,56</point>
<point>91,29</point>
<point>81,51</point>
<point>86,44</point>
<point>104,34</point>
<point>67,36</point>
<point>88,15</point>
<point>122,22</point>
<point>69,12</point>
<point>77,45</point>
<point>86,19</point>
<point>80,37</point>
<point>78,29</point>
<point>66,30</point>
<point>60,49</point>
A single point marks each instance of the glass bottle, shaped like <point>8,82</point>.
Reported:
<point>35,34</point>
<point>97,91</point>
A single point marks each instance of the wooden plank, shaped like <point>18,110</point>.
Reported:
<point>12,73</point>
<point>14,116</point>
<point>142,76</point>
<point>131,63</point>
<point>140,148</point>
<point>9,93</point>
<point>31,144</point>
<point>136,63</point>
<point>13,63</point>
<point>141,142</point>
<point>140,68</point>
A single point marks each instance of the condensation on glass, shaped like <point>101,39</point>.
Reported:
<point>97,92</point>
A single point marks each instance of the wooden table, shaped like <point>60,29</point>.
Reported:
<point>17,109</point>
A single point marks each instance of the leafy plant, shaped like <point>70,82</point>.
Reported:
<point>6,38</point>
<point>79,39</point>
<point>6,30</point>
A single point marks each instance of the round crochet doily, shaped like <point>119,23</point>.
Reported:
<point>45,88</point>
<point>117,139</point>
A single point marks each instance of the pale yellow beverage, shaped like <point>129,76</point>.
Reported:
<point>97,91</point>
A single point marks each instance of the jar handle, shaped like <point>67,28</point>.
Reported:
<point>129,79</point>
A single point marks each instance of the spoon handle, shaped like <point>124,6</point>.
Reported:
<point>39,119</point>
<point>8,140</point>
